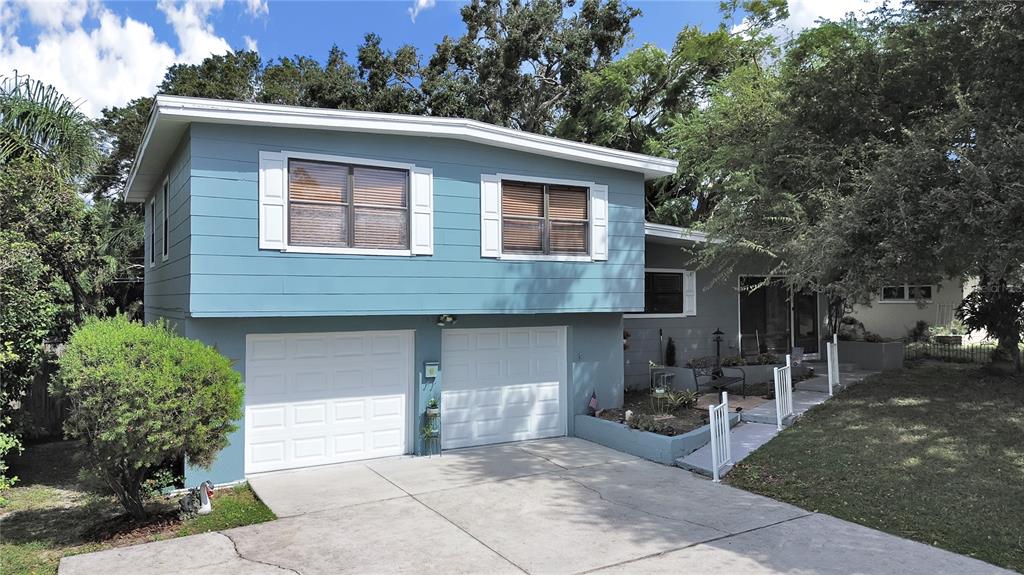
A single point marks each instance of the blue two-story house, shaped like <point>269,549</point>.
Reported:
<point>357,265</point>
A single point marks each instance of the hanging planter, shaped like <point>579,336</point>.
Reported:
<point>433,409</point>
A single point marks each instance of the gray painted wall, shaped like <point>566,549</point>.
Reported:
<point>716,309</point>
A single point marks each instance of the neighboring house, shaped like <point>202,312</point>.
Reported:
<point>356,265</point>
<point>896,310</point>
<point>689,306</point>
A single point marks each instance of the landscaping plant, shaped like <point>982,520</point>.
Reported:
<point>141,398</point>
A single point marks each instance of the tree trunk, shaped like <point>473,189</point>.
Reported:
<point>130,497</point>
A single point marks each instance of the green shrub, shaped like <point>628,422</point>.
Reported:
<point>142,398</point>
<point>733,361</point>
<point>920,332</point>
<point>766,358</point>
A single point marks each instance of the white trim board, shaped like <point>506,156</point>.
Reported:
<point>171,115</point>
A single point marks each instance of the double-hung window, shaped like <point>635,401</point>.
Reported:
<point>669,293</point>
<point>165,221</point>
<point>152,232</point>
<point>544,219</point>
<point>337,205</point>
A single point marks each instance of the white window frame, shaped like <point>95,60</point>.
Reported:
<point>589,257</point>
<point>906,294</point>
<point>165,221</point>
<point>152,231</point>
<point>350,160</point>
<point>678,271</point>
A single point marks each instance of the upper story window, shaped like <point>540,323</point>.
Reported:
<point>165,219</point>
<point>536,218</point>
<point>152,232</point>
<point>906,293</point>
<point>338,205</point>
<point>544,218</point>
<point>326,204</point>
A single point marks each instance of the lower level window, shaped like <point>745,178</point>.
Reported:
<point>663,292</point>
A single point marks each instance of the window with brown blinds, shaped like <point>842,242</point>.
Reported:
<point>544,219</point>
<point>337,205</point>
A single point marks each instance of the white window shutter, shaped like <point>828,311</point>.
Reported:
<point>273,222</point>
<point>422,212</point>
<point>689,293</point>
<point>490,216</point>
<point>599,222</point>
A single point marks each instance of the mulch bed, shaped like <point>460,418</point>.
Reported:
<point>672,423</point>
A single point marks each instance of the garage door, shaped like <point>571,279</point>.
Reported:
<point>502,385</point>
<point>319,398</point>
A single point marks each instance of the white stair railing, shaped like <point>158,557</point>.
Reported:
<point>784,392</point>
<point>832,349</point>
<point>721,448</point>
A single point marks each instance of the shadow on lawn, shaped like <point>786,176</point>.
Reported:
<point>932,453</point>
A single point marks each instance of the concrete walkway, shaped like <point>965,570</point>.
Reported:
<point>550,506</point>
<point>745,438</point>
<point>760,424</point>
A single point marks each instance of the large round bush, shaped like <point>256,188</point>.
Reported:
<point>142,397</point>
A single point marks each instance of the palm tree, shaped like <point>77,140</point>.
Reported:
<point>37,120</point>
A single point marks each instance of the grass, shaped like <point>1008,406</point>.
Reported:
<point>932,453</point>
<point>51,513</point>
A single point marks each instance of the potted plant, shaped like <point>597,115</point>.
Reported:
<point>433,409</point>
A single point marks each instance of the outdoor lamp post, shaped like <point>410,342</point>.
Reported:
<point>718,333</point>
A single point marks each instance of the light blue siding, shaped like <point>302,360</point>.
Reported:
<point>231,277</point>
<point>594,361</point>
<point>166,288</point>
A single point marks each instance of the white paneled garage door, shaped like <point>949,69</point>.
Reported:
<point>319,398</point>
<point>502,385</point>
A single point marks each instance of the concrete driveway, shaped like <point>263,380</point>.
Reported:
<point>550,506</point>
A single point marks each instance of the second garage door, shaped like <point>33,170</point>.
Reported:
<point>500,385</point>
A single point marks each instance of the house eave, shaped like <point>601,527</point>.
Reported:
<point>173,114</point>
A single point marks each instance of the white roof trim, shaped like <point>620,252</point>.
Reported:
<point>183,110</point>
<point>675,233</point>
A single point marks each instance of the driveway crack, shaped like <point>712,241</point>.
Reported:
<point>234,545</point>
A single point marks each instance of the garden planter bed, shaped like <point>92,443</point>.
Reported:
<point>659,448</point>
<point>880,356</point>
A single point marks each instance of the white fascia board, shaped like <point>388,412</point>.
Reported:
<point>186,109</point>
<point>676,233</point>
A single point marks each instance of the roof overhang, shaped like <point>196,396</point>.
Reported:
<point>673,235</point>
<point>171,116</point>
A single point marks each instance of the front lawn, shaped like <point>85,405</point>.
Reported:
<point>51,513</point>
<point>931,453</point>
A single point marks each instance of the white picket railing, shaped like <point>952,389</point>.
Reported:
<point>721,448</point>
<point>832,349</point>
<point>784,392</point>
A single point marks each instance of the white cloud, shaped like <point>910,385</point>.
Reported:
<point>189,20</point>
<point>419,6</point>
<point>806,13</point>
<point>250,44</point>
<point>98,58</point>
<point>257,8</point>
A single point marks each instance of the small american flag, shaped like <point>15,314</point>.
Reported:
<point>593,400</point>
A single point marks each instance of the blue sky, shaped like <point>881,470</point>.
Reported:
<point>103,53</point>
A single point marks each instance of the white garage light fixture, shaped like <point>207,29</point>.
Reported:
<point>445,320</point>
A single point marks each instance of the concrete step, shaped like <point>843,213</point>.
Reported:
<point>744,440</point>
